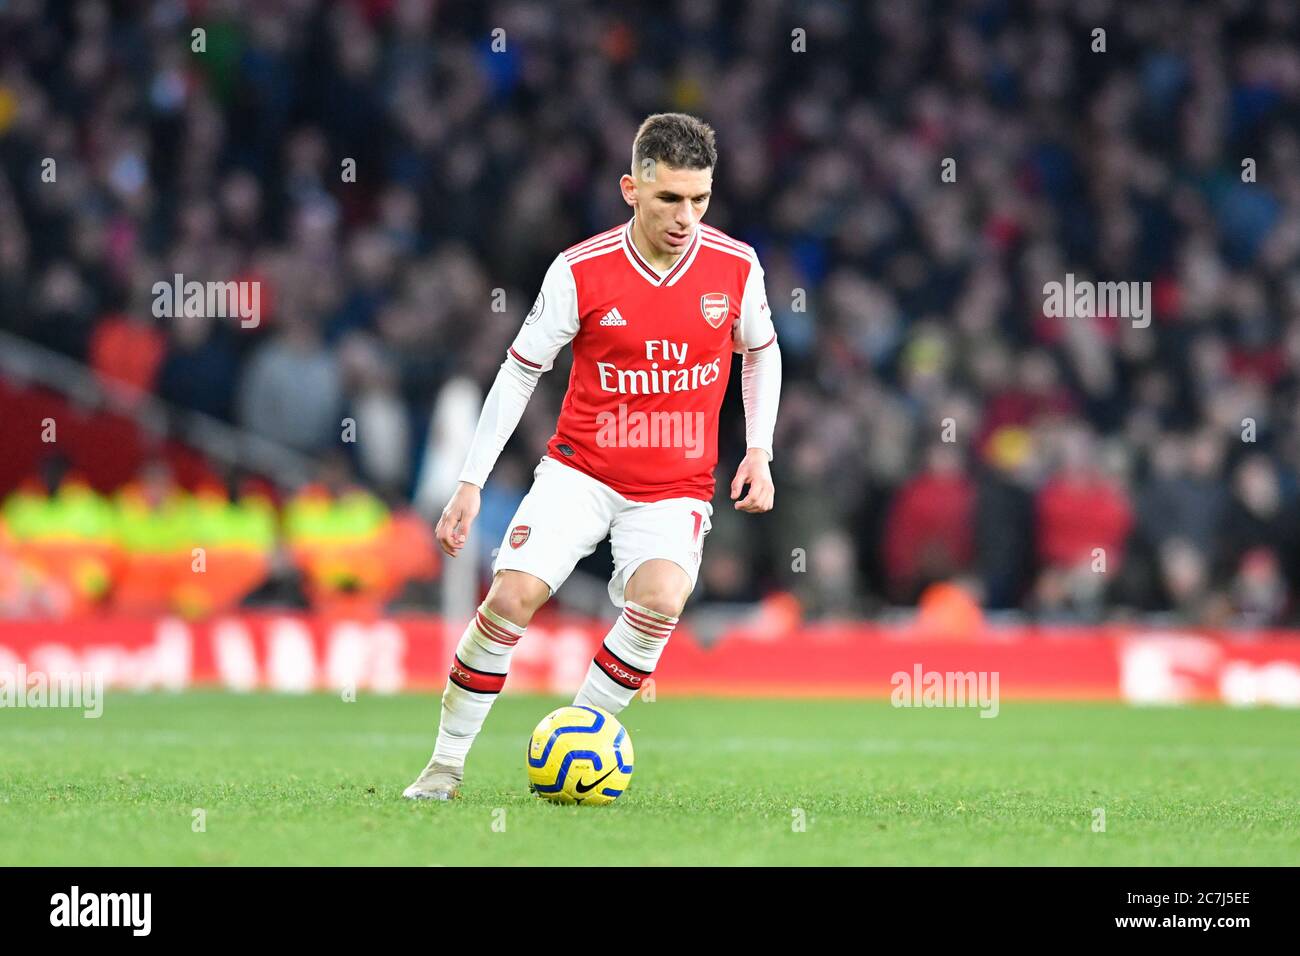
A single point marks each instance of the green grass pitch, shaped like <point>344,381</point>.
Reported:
<point>315,780</point>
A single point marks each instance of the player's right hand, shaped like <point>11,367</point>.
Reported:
<point>453,527</point>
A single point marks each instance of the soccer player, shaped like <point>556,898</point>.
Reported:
<point>654,309</point>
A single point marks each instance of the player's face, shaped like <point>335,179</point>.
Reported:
<point>670,205</point>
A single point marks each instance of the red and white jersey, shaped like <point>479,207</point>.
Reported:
<point>651,357</point>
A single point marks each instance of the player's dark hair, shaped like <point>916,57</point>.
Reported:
<point>676,140</point>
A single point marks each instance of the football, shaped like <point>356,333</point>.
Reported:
<point>580,755</point>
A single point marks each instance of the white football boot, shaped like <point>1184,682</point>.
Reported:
<point>438,781</point>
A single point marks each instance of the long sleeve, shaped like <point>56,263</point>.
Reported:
<point>502,409</point>
<point>754,336</point>
<point>760,386</point>
<point>549,326</point>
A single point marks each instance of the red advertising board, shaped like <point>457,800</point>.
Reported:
<point>298,652</point>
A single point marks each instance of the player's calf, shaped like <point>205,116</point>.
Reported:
<point>628,655</point>
<point>478,672</point>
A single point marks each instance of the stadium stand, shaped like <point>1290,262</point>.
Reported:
<point>902,301</point>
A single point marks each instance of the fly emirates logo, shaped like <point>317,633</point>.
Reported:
<point>667,372</point>
<point>660,429</point>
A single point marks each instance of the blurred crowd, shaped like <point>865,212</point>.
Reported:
<point>936,428</point>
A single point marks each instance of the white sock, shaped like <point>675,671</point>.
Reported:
<point>478,672</point>
<point>626,658</point>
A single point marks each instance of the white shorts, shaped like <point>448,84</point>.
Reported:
<point>566,514</point>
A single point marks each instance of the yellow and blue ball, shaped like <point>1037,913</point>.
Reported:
<point>580,754</point>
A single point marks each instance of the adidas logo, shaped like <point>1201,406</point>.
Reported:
<point>613,318</point>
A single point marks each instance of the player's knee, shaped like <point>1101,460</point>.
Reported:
<point>517,596</point>
<point>662,593</point>
<point>661,602</point>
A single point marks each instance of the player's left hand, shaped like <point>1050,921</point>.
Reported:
<point>753,471</point>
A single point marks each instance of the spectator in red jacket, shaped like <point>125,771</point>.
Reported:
<point>929,529</point>
<point>1083,518</point>
<point>1080,509</point>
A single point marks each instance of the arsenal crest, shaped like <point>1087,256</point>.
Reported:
<point>519,534</point>
<point>714,306</point>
